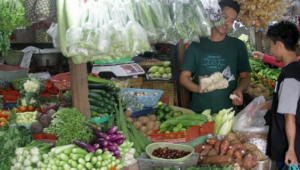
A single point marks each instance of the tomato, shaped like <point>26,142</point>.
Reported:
<point>30,108</point>
<point>23,108</point>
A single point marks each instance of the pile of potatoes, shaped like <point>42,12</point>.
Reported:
<point>229,151</point>
<point>145,124</point>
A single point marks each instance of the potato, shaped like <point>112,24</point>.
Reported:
<point>143,129</point>
<point>137,124</point>
<point>149,132</point>
<point>128,113</point>
<point>135,119</point>
<point>157,124</point>
<point>144,120</point>
<point>150,125</point>
<point>130,119</point>
<point>152,117</point>
<point>140,118</point>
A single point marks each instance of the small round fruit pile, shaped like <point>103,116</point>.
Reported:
<point>167,153</point>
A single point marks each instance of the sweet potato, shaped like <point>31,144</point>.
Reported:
<point>238,161</point>
<point>212,152</point>
<point>237,154</point>
<point>247,161</point>
<point>243,151</point>
<point>212,141</point>
<point>231,136</point>
<point>207,146</point>
<point>254,163</point>
<point>250,146</point>
<point>224,146</point>
<point>237,166</point>
<point>199,148</point>
<point>216,159</point>
<point>259,154</point>
<point>217,146</point>
<point>204,152</point>
<point>230,152</point>
<point>237,146</point>
<point>234,141</point>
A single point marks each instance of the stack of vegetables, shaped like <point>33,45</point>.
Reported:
<point>223,121</point>
<point>261,69</point>
<point>107,31</point>
<point>28,157</point>
<point>74,126</point>
<point>165,112</point>
<point>102,96</point>
<point>13,137</point>
<point>29,91</point>
<point>230,151</point>
<point>160,71</point>
<point>27,118</point>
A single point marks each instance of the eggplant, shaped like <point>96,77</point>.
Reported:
<point>98,140</point>
<point>116,152</point>
<point>112,130</point>
<point>103,143</point>
<point>117,137</point>
<point>100,134</point>
<point>118,156</point>
<point>119,141</point>
<point>112,148</point>
<point>96,146</point>
<point>85,146</point>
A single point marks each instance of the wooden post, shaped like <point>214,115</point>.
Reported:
<point>80,88</point>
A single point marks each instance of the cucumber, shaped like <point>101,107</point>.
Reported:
<point>107,95</point>
<point>97,109</point>
<point>95,96</point>
<point>99,91</point>
<point>95,102</point>
<point>105,100</point>
<point>99,80</point>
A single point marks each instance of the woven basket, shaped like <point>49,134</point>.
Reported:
<point>14,57</point>
<point>151,147</point>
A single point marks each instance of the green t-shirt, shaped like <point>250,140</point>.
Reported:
<point>207,57</point>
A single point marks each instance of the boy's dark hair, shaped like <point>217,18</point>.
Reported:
<point>230,3</point>
<point>286,32</point>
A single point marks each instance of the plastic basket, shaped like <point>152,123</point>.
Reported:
<point>207,128</point>
<point>176,137</point>
<point>4,84</point>
<point>151,147</point>
<point>18,83</point>
<point>62,81</point>
<point>148,101</point>
<point>145,163</point>
<point>11,96</point>
<point>10,73</point>
<point>14,57</point>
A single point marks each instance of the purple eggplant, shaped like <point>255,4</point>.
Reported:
<point>118,156</point>
<point>98,140</point>
<point>99,134</point>
<point>84,145</point>
<point>112,130</point>
<point>103,143</point>
<point>116,137</point>
<point>112,148</point>
<point>96,146</point>
<point>119,141</point>
<point>116,152</point>
<point>112,144</point>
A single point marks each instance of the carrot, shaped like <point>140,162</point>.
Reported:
<point>212,152</point>
<point>237,154</point>
<point>247,161</point>
<point>212,141</point>
<point>217,146</point>
<point>207,146</point>
<point>230,152</point>
<point>204,152</point>
<point>224,146</point>
<point>216,159</point>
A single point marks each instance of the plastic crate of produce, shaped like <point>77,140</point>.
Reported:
<point>176,137</point>
<point>207,128</point>
<point>146,163</point>
<point>18,83</point>
<point>10,73</point>
<point>62,81</point>
<point>149,97</point>
<point>11,96</point>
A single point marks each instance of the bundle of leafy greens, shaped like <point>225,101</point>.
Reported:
<point>14,137</point>
<point>4,42</point>
<point>69,124</point>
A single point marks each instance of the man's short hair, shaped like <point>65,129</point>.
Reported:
<point>230,3</point>
<point>286,32</point>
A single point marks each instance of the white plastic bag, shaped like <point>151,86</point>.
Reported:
<point>53,32</point>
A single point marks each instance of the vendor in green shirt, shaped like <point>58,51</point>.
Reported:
<point>213,54</point>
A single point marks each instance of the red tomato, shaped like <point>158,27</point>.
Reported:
<point>30,108</point>
<point>23,108</point>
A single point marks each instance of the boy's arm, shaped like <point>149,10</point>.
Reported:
<point>290,129</point>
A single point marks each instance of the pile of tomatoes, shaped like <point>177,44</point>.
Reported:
<point>4,113</point>
<point>21,109</point>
